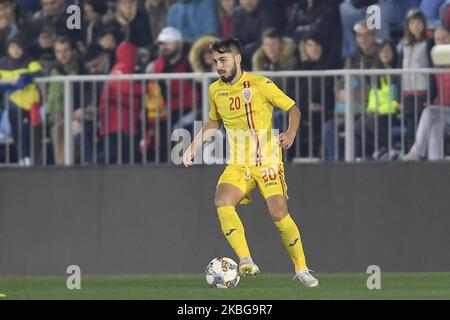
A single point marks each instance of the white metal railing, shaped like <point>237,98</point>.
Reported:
<point>203,80</point>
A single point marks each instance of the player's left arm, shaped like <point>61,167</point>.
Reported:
<point>287,138</point>
<point>279,99</point>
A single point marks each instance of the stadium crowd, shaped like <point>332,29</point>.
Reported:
<point>164,36</point>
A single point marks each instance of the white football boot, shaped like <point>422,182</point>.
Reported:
<point>306,278</point>
<point>248,268</point>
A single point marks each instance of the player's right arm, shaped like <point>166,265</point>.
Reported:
<point>206,132</point>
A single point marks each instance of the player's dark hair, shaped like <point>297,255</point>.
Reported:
<point>226,46</point>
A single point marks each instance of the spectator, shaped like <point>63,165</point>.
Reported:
<point>174,58</point>
<point>194,18</point>
<point>430,9</point>
<point>363,58</point>
<point>250,20</point>
<point>108,39</point>
<point>199,56</point>
<point>12,20</point>
<point>387,17</point>
<point>226,11</point>
<point>31,5</point>
<point>129,23</point>
<point>94,10</point>
<point>322,18</point>
<point>119,109</point>
<point>276,53</point>
<point>143,59</point>
<point>156,12</point>
<point>373,129</point>
<point>349,17</point>
<point>416,48</point>
<point>316,96</point>
<point>53,16</point>
<point>435,119</point>
<point>46,54</point>
<point>445,14</point>
<point>402,7</point>
<point>17,70</point>
<point>97,60</point>
<point>68,64</point>
<point>392,13</point>
<point>441,36</point>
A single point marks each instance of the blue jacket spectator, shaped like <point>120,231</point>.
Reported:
<point>393,13</point>
<point>194,18</point>
<point>402,8</point>
<point>32,5</point>
<point>431,10</point>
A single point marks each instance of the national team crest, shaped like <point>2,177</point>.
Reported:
<point>247,94</point>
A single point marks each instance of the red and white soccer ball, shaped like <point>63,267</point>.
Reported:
<point>222,273</point>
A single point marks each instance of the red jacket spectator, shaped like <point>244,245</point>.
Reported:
<point>179,98</point>
<point>226,11</point>
<point>117,96</point>
<point>443,89</point>
<point>446,17</point>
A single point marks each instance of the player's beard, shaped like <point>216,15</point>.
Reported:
<point>232,75</point>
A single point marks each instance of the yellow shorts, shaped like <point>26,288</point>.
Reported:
<point>269,179</point>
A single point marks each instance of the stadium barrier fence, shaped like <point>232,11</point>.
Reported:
<point>97,127</point>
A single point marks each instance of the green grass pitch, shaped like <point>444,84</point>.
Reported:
<point>264,287</point>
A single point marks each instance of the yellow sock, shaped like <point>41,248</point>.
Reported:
<point>233,229</point>
<point>292,241</point>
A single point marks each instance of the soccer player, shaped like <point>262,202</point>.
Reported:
<point>244,102</point>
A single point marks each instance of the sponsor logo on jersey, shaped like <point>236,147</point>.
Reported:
<point>268,184</point>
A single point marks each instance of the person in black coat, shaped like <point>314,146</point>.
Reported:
<point>322,18</point>
<point>250,20</point>
<point>130,23</point>
<point>315,94</point>
<point>52,17</point>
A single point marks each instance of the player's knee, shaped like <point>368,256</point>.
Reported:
<point>278,208</point>
<point>278,214</point>
<point>221,201</point>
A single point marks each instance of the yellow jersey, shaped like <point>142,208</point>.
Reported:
<point>245,109</point>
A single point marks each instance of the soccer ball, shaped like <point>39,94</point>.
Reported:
<point>222,273</point>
